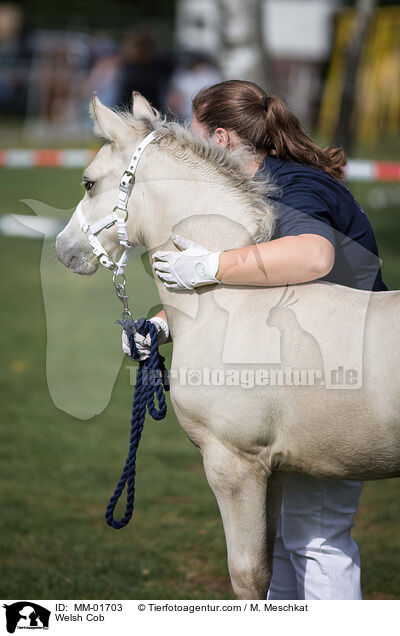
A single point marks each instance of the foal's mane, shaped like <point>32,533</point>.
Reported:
<point>218,162</point>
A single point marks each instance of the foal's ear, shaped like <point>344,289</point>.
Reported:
<point>142,108</point>
<point>106,122</point>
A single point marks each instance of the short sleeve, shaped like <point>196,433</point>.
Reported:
<point>302,211</point>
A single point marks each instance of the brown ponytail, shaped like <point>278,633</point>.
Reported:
<point>265,123</point>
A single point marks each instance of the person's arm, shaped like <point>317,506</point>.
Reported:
<point>282,261</point>
<point>287,260</point>
<point>162,315</point>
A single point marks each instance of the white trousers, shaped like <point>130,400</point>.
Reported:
<point>315,556</point>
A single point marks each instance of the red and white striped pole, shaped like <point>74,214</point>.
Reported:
<point>356,170</point>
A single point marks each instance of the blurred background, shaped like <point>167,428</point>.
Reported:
<point>337,65</point>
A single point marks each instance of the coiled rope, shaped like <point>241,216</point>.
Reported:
<point>151,380</point>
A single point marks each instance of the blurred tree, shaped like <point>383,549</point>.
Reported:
<point>243,54</point>
<point>344,132</point>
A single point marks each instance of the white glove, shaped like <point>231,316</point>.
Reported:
<point>143,343</point>
<point>192,267</point>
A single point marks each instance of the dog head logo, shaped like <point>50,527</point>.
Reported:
<point>25,614</point>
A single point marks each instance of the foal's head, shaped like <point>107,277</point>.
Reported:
<point>122,132</point>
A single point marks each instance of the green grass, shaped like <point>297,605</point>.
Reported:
<point>59,188</point>
<point>57,472</point>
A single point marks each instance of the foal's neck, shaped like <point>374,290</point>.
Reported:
<point>196,203</point>
<point>199,206</point>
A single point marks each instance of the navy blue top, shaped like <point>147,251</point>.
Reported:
<point>309,201</point>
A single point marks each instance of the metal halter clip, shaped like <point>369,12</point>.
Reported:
<point>120,290</point>
<point>127,181</point>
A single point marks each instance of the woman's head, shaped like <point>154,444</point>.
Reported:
<point>247,115</point>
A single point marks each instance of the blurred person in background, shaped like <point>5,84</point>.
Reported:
<point>14,58</point>
<point>61,62</point>
<point>56,83</point>
<point>321,233</point>
<point>104,76</point>
<point>143,68</point>
<point>189,78</point>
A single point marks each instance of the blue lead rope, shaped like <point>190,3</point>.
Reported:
<point>152,378</point>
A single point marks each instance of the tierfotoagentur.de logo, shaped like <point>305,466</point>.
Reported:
<point>26,615</point>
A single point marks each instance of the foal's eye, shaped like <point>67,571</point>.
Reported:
<point>88,185</point>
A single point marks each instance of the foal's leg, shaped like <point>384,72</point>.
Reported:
<point>240,490</point>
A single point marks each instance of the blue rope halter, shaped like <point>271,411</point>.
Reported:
<point>152,378</point>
